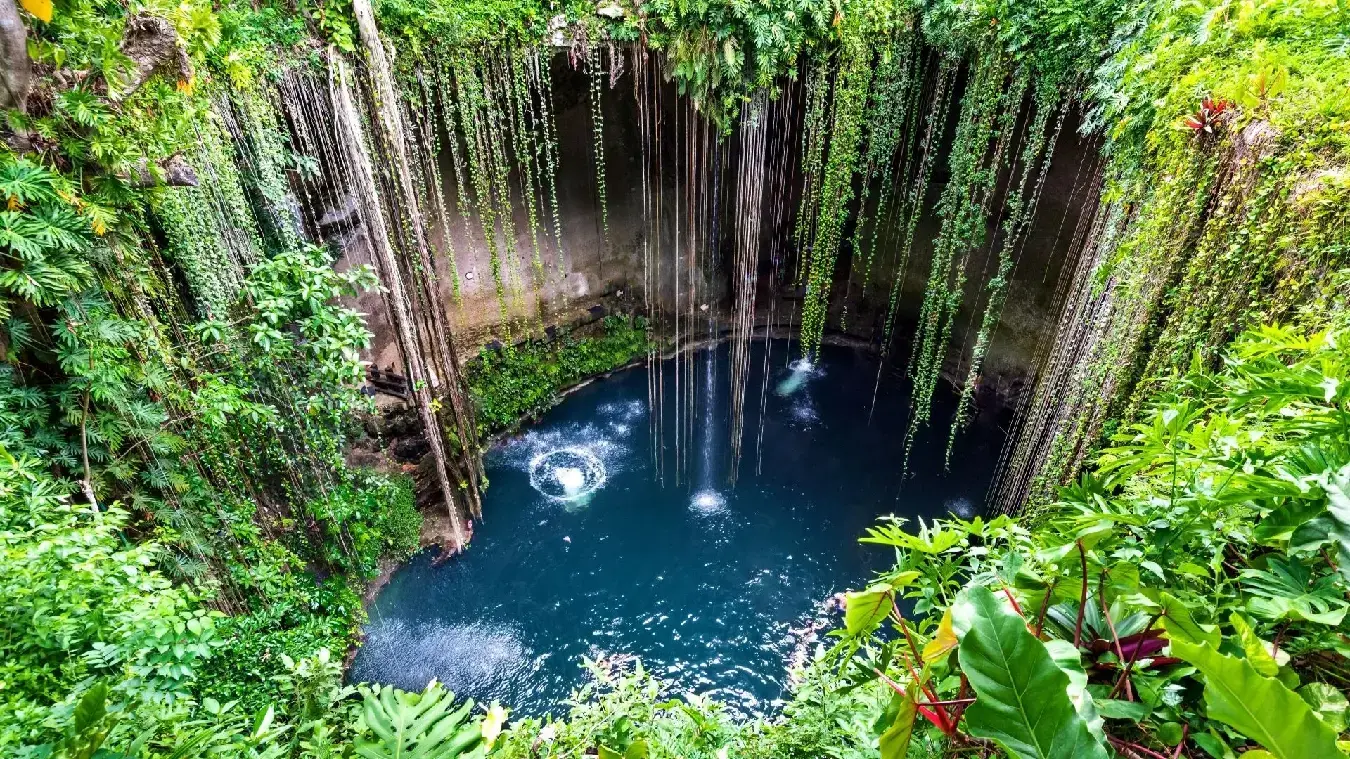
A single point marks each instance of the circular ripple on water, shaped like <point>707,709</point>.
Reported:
<point>566,474</point>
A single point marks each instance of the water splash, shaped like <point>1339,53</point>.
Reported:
<point>801,371</point>
<point>567,474</point>
<point>708,503</point>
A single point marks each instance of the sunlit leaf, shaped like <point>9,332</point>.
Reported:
<point>1022,699</point>
<point>1261,708</point>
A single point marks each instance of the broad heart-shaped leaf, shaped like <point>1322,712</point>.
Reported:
<point>1022,697</point>
<point>1261,708</point>
<point>865,609</point>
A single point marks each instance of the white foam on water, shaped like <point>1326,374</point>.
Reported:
<point>567,474</point>
<point>708,502</point>
<point>571,478</point>
<point>800,371</point>
<point>961,507</point>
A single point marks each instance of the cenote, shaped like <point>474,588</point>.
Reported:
<point>587,552</point>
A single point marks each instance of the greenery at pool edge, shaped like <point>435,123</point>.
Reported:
<point>110,607</point>
<point>518,382</point>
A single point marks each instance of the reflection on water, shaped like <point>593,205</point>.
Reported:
<point>584,553</point>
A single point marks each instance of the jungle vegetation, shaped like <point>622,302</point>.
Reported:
<point>183,544</point>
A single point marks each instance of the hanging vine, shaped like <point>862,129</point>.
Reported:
<point>474,120</point>
<point>541,80</point>
<point>817,88</point>
<point>211,232</point>
<point>963,212</point>
<point>848,107</point>
<point>1022,199</point>
<point>887,116</point>
<point>596,73</point>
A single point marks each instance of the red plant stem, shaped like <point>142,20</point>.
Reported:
<point>914,647</point>
<point>1125,674</point>
<point>1013,601</point>
<point>1275,644</point>
<point>1082,599</point>
<point>951,702</point>
<point>961,694</point>
<point>1185,730</point>
<point>1045,606</point>
<point>1133,748</point>
<point>938,721</point>
<point>1115,637</point>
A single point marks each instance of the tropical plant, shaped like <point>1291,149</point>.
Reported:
<point>1202,555</point>
<point>427,725</point>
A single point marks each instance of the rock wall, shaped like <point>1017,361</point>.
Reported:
<point>590,272</point>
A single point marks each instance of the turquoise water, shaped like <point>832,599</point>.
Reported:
<point>585,553</point>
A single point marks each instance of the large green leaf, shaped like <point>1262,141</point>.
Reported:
<point>1067,658</point>
<point>1327,703</point>
<point>1261,708</point>
<point>1022,699</point>
<point>1179,623</point>
<point>865,609</point>
<point>416,725</point>
<point>1338,506</point>
<point>1258,651</point>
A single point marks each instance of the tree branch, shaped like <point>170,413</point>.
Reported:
<point>176,172</point>
<point>16,70</point>
<point>153,45</point>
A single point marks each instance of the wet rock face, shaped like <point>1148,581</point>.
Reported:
<point>593,267</point>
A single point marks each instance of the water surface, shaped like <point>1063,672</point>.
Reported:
<point>586,552</point>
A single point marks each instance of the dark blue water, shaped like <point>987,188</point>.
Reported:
<point>585,553</point>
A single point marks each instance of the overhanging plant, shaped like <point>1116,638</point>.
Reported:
<point>1186,598</point>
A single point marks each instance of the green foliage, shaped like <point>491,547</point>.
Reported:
<point>835,194</point>
<point>371,518</point>
<point>1022,696</point>
<point>1261,708</point>
<point>524,380</point>
<point>1206,533</point>
<point>181,541</point>
<point>424,725</point>
<point>987,114</point>
<point>1209,232</point>
<point>80,603</point>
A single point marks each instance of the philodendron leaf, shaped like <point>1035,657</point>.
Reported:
<point>1261,708</point>
<point>866,609</point>
<point>1338,506</point>
<point>1022,696</point>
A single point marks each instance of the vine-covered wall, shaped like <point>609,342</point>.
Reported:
<point>182,367</point>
